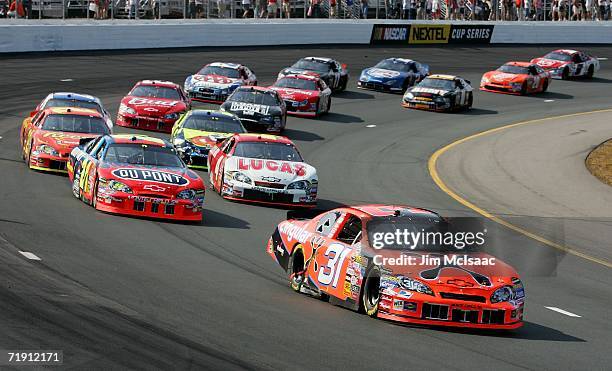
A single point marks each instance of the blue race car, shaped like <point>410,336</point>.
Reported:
<point>393,75</point>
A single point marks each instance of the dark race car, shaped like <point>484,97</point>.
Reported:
<point>440,93</point>
<point>135,175</point>
<point>393,75</point>
<point>357,257</point>
<point>259,109</point>
<point>332,72</point>
<point>304,95</point>
<point>153,105</point>
<point>216,81</point>
<point>196,132</point>
<point>566,63</point>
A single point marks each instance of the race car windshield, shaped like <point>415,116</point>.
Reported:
<point>440,84</point>
<point>417,232</point>
<point>517,70</point>
<point>232,73</point>
<point>148,91</point>
<point>296,84</point>
<point>558,56</point>
<point>138,154</point>
<point>73,103</point>
<point>393,66</point>
<point>254,96</point>
<point>311,65</point>
<point>214,124</point>
<point>268,151</point>
<point>75,124</point>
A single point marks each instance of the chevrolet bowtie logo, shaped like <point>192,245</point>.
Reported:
<point>154,188</point>
<point>270,179</point>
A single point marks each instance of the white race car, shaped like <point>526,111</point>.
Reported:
<point>216,81</point>
<point>262,168</point>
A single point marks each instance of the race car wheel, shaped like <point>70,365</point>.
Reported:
<point>94,195</point>
<point>328,105</point>
<point>470,101</point>
<point>296,269</point>
<point>545,86</point>
<point>524,88</point>
<point>565,74</point>
<point>76,190</point>
<point>406,85</point>
<point>370,295</point>
<point>27,159</point>
<point>343,84</point>
<point>590,72</point>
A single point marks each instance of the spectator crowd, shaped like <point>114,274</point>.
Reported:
<point>491,10</point>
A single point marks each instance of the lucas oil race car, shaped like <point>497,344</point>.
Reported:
<point>304,95</point>
<point>259,109</point>
<point>153,105</point>
<point>48,138</point>
<point>520,78</point>
<point>216,81</point>
<point>440,93</point>
<point>332,72</point>
<point>393,75</point>
<point>196,132</point>
<point>565,63</point>
<point>74,100</point>
<point>135,175</point>
<point>262,168</point>
<point>337,256</point>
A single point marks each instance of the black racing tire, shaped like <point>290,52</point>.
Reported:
<point>296,268</point>
<point>470,101</point>
<point>29,156</point>
<point>370,294</point>
<point>94,195</point>
<point>219,190</point>
<point>590,72</point>
<point>343,84</point>
<point>524,88</point>
<point>76,190</point>
<point>545,86</point>
<point>565,74</point>
<point>328,104</point>
<point>406,85</point>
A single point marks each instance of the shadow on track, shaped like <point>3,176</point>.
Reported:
<point>342,118</point>
<point>350,94</point>
<point>301,135</point>
<point>551,95</point>
<point>478,112</point>
<point>594,79</point>
<point>213,218</point>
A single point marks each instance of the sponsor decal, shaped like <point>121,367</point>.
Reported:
<point>250,108</point>
<point>150,176</point>
<point>378,72</point>
<point>270,179</point>
<point>429,91</point>
<point>271,165</point>
<point>429,34</point>
<point>59,136</point>
<point>471,34</point>
<point>293,231</point>
<point>398,305</point>
<point>154,188</point>
<point>154,102</point>
<point>390,34</point>
<point>153,200</point>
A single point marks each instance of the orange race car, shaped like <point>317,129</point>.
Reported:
<point>379,259</point>
<point>48,137</point>
<point>519,78</point>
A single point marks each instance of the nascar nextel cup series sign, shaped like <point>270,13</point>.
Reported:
<point>431,34</point>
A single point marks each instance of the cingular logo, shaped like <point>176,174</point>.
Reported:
<point>150,176</point>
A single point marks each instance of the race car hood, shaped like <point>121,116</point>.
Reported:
<point>453,273</point>
<point>382,75</point>
<point>212,81</point>
<point>301,71</point>
<point>203,138</point>
<point>427,92</point>
<point>163,181</point>
<point>297,95</point>
<point>154,107</point>
<point>503,77</point>
<point>62,142</point>
<point>271,171</point>
<point>549,63</point>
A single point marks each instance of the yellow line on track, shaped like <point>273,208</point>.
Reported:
<point>433,172</point>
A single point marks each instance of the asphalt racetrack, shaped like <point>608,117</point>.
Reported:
<point>116,292</point>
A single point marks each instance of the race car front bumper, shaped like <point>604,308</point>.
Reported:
<point>501,88</point>
<point>427,310</point>
<point>149,207</point>
<point>45,162</point>
<point>145,123</point>
<point>378,86</point>
<point>426,104</point>
<point>282,197</point>
<point>208,95</point>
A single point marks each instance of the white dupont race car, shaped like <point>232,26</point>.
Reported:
<point>262,168</point>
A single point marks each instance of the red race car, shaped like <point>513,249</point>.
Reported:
<point>48,137</point>
<point>262,168</point>
<point>135,175</point>
<point>361,257</point>
<point>304,95</point>
<point>519,78</point>
<point>566,63</point>
<point>153,105</point>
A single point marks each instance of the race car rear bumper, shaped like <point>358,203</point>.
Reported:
<point>186,210</point>
<point>145,123</point>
